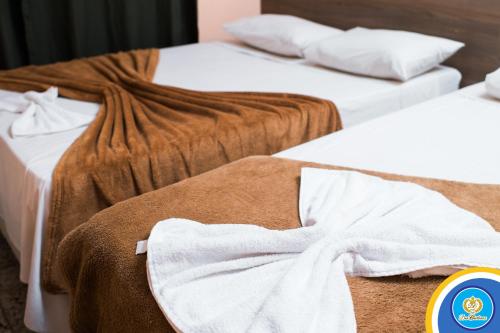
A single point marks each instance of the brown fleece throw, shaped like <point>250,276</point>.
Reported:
<point>147,136</point>
<point>108,282</point>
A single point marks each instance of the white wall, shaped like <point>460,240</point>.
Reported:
<point>212,14</point>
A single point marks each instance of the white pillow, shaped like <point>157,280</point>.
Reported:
<point>390,54</point>
<point>281,34</point>
<point>492,83</point>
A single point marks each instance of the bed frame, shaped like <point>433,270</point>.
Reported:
<point>474,22</point>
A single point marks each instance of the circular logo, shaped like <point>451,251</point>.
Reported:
<point>465,303</point>
<point>472,308</point>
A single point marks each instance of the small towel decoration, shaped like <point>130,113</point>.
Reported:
<point>244,278</point>
<point>492,83</point>
<point>40,114</point>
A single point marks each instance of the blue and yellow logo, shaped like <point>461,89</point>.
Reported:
<point>472,308</point>
<point>465,302</point>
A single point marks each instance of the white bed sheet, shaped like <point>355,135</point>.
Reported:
<point>26,164</point>
<point>454,137</point>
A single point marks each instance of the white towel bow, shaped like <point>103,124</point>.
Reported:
<point>41,114</point>
<point>245,278</point>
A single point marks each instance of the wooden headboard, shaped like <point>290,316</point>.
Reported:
<point>474,22</point>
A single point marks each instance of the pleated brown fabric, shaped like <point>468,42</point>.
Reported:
<point>147,136</point>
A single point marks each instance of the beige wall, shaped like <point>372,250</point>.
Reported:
<point>212,14</point>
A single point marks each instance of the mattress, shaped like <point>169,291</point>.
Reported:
<point>27,163</point>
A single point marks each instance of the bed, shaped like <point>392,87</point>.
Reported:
<point>458,145</point>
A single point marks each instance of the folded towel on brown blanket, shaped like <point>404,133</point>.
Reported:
<point>147,136</point>
<point>108,282</point>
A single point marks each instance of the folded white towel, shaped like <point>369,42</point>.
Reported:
<point>245,278</point>
<point>41,114</point>
<point>492,83</point>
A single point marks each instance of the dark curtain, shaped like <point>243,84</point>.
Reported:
<point>13,49</point>
<point>45,31</point>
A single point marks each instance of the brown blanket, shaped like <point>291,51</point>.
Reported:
<point>108,282</point>
<point>148,136</point>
